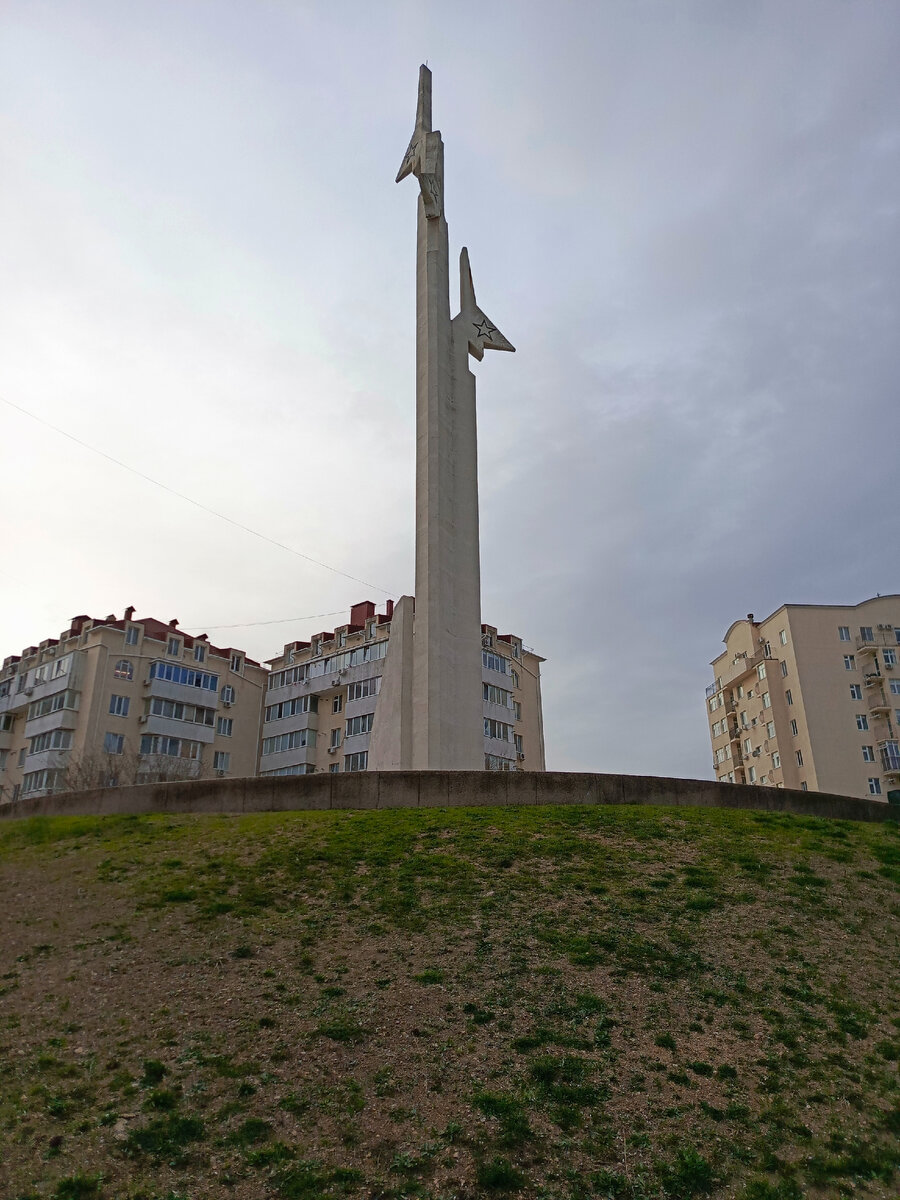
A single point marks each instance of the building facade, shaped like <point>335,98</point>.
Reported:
<point>809,698</point>
<point>112,702</point>
<point>322,706</point>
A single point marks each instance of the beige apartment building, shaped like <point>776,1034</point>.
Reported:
<point>111,702</point>
<point>322,703</point>
<point>809,698</point>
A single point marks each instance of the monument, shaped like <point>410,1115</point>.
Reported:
<point>433,684</point>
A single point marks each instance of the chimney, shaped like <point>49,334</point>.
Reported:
<point>361,612</point>
<point>750,618</point>
<point>77,624</point>
<point>389,609</point>
<point>173,624</point>
<point>129,612</point>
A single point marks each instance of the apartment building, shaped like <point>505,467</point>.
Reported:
<point>322,703</point>
<point>809,698</point>
<point>126,701</point>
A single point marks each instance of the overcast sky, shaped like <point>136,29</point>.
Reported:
<point>683,213</point>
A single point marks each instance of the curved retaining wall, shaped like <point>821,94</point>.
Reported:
<point>440,789</point>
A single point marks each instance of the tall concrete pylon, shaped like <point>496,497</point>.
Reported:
<point>442,698</point>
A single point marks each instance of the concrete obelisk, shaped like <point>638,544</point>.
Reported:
<point>445,689</point>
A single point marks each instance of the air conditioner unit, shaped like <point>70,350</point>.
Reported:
<point>756,753</point>
<point>145,683</point>
<point>520,757</point>
<point>28,691</point>
<point>142,719</point>
<point>227,703</point>
<point>220,774</point>
<point>335,683</point>
<point>333,749</point>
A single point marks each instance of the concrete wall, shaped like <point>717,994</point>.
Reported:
<point>437,789</point>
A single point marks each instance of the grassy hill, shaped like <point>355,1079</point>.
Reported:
<point>550,1002</point>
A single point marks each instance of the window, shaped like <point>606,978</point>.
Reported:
<point>493,762</point>
<point>55,739</point>
<point>748,746</point>
<point>519,743</point>
<point>865,632</point>
<point>766,699</point>
<point>224,726</point>
<point>890,657</point>
<point>361,724</point>
<point>334,768</point>
<point>494,662</point>
<point>855,691</point>
<point>174,710</point>
<point>784,669</point>
<point>890,756</point>
<point>788,697</point>
<point>153,743</point>
<point>761,671</point>
<point>849,662</point>
<point>751,775</point>
<point>782,637</point>
<point>496,695</point>
<point>228,694</point>
<point>131,635</point>
<point>767,650</point>
<point>517,713</point>
<point>803,787</point>
<point>123,669</point>
<point>799,756</point>
<point>713,703</point>
<point>794,728</point>
<point>716,728</point>
<point>294,769</point>
<point>199,652</point>
<point>497,729</point>
<point>897,636</point>
<point>114,743</point>
<point>118,705</point>
<point>744,722</point>
<point>290,708</point>
<point>342,640</point>
<point>337,703</point>
<point>776,759</point>
<point>895,687</point>
<point>862,721</point>
<point>52,704</point>
<point>6,722</point>
<point>173,647</point>
<point>868,753</point>
<point>356,762</point>
<point>370,629</point>
<point>770,729</point>
<point>237,663</point>
<point>844,633</point>
<point>173,673</point>
<point>221,760</point>
<point>514,675</point>
<point>289,741</point>
<point>335,738</point>
<point>874,786</point>
<point>41,781</point>
<point>365,687</point>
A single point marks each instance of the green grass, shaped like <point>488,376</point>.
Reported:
<point>564,1003</point>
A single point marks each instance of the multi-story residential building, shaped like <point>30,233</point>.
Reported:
<point>809,698</point>
<point>323,699</point>
<point>126,701</point>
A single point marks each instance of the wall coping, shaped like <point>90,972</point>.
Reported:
<point>440,789</point>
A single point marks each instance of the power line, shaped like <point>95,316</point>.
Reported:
<point>196,503</point>
<point>247,624</point>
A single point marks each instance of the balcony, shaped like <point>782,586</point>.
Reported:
<point>890,758</point>
<point>876,700</point>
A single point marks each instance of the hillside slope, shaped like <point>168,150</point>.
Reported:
<point>555,1002</point>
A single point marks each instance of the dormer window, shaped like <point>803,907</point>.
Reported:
<point>131,635</point>
<point>342,638</point>
<point>174,647</point>
<point>370,629</point>
<point>199,652</point>
<point>237,663</point>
